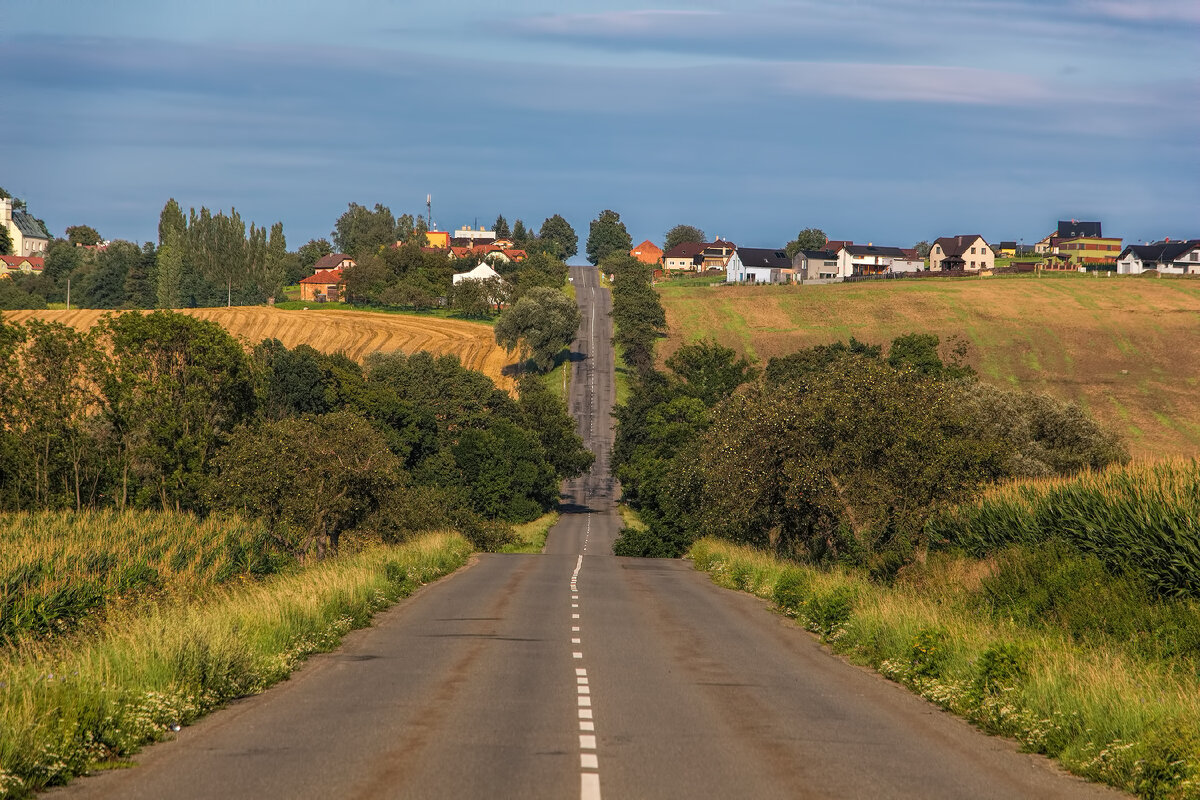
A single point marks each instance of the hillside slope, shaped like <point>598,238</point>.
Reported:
<point>357,333</point>
<point>1122,347</point>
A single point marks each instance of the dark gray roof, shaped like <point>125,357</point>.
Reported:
<point>873,250</point>
<point>764,257</point>
<point>29,226</point>
<point>819,255</point>
<point>957,245</point>
<point>1073,229</point>
<point>1160,252</point>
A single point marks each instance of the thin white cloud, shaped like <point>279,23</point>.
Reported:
<point>914,83</point>
<point>1186,11</point>
<point>616,23</point>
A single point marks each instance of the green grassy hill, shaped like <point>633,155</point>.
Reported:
<point>1123,347</point>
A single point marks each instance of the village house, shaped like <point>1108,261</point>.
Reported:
<point>436,239</point>
<point>1067,229</point>
<point>909,262</point>
<point>328,285</point>
<point>1176,258</point>
<point>467,236</point>
<point>866,259</point>
<point>759,265</point>
<point>333,261</point>
<point>811,265</point>
<point>24,265</point>
<point>27,235</point>
<point>716,254</point>
<point>965,251</point>
<point>684,257</point>
<point>647,252</point>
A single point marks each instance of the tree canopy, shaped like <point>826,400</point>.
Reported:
<point>807,239</point>
<point>83,234</point>
<point>360,231</point>
<point>539,325</point>
<point>500,228</point>
<point>680,234</point>
<point>558,238</point>
<point>606,236</point>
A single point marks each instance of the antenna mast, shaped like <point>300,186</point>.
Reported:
<point>429,211</point>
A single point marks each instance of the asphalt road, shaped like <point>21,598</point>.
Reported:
<point>577,674</point>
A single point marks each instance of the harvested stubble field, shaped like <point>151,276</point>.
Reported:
<point>1121,347</point>
<point>356,333</point>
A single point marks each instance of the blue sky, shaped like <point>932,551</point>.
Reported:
<point>876,120</point>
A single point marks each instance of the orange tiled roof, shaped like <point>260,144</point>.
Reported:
<point>329,277</point>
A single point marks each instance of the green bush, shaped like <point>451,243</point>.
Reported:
<point>642,543</point>
<point>927,653</point>
<point>830,611</point>
<point>1001,666</point>
<point>792,591</point>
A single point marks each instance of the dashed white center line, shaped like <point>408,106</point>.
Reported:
<point>589,764</point>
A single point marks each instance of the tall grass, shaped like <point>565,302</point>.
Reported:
<point>1142,519</point>
<point>57,568</point>
<point>70,703</point>
<point>1103,713</point>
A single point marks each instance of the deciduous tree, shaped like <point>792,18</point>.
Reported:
<point>682,233</point>
<point>83,235</point>
<point>540,325</point>
<point>360,231</point>
<point>606,236</point>
<point>317,476</point>
<point>807,239</point>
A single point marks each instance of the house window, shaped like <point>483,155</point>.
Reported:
<point>972,265</point>
<point>972,251</point>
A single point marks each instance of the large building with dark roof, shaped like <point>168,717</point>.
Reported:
<point>27,234</point>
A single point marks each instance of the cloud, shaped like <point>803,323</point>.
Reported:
<point>1186,11</point>
<point>915,83</point>
<point>639,23</point>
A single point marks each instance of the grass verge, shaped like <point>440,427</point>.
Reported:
<point>1103,714</point>
<point>531,537</point>
<point>71,704</point>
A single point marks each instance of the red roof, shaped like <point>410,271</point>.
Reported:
<point>15,262</point>
<point>329,277</point>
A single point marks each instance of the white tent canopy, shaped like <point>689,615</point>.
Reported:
<point>480,273</point>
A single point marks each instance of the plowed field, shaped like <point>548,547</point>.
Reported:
<point>357,333</point>
<point>1123,347</point>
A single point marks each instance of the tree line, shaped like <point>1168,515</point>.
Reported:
<point>835,453</point>
<point>163,410</point>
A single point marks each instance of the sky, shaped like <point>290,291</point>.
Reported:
<point>885,121</point>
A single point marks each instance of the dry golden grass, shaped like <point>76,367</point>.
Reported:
<point>1118,346</point>
<point>357,333</point>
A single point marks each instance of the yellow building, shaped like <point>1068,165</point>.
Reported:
<point>1087,250</point>
<point>440,239</point>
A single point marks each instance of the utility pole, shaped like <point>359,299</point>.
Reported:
<point>68,294</point>
<point>228,291</point>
